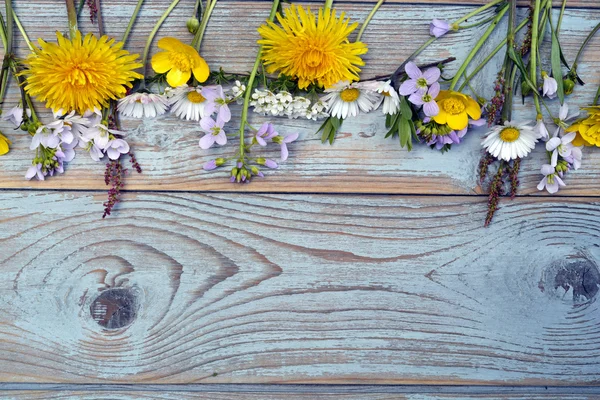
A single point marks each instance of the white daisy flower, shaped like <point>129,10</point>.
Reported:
<point>389,97</point>
<point>191,103</point>
<point>138,105</point>
<point>346,99</point>
<point>510,141</point>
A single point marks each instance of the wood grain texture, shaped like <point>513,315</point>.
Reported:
<point>361,160</point>
<point>300,289</point>
<point>100,395</point>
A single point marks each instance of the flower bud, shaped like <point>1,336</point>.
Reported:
<point>525,89</point>
<point>219,161</point>
<point>254,170</point>
<point>193,24</point>
<point>234,171</point>
<point>568,86</point>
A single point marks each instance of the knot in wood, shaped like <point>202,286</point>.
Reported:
<point>114,308</point>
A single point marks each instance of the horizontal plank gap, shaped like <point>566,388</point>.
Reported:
<point>555,197</point>
<point>309,389</point>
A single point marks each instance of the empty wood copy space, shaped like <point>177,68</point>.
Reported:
<point>354,271</point>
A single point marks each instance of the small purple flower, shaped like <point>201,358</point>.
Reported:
<point>418,80</point>
<point>284,142</point>
<point>560,146</point>
<point>550,86</point>
<point>266,162</point>
<point>270,164</point>
<point>265,133</point>
<point>210,165</point>
<point>96,152</point>
<point>426,98</point>
<point>551,181</point>
<point>35,170</point>
<point>439,27</point>
<point>15,115</point>
<point>218,98</point>
<point>116,147</point>
<point>214,132</point>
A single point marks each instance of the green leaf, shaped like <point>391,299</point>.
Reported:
<point>405,133</point>
<point>519,63</point>
<point>405,109</point>
<point>556,69</point>
<point>330,128</point>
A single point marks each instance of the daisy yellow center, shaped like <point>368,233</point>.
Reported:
<point>509,134</point>
<point>386,93</point>
<point>349,95</point>
<point>195,97</point>
<point>81,73</point>
<point>453,106</point>
<point>181,61</point>
<point>313,49</point>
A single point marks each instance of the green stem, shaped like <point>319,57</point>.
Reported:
<point>560,16</point>
<point>482,22</point>
<point>196,8</point>
<point>585,42</point>
<point>257,63</point>
<point>477,46</point>
<point>152,34</point>
<point>132,20</point>
<point>533,54</point>
<point>197,41</point>
<point>3,34</point>
<point>490,56</point>
<point>80,7</point>
<point>72,16</point>
<point>9,26</point>
<point>369,17</point>
<point>328,4</point>
<point>510,67</point>
<point>596,97</point>
<point>22,30</point>
<point>99,20</point>
<point>4,80</point>
<point>477,11</point>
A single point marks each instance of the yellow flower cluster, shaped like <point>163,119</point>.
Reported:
<point>588,129</point>
<point>455,109</point>
<point>312,50</point>
<point>79,74</point>
<point>179,61</point>
<point>4,143</point>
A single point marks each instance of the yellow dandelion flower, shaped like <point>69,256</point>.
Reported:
<point>455,109</point>
<point>588,128</point>
<point>4,142</point>
<point>180,61</point>
<point>312,50</point>
<point>79,74</point>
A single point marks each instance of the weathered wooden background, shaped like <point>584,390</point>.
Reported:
<point>357,263</point>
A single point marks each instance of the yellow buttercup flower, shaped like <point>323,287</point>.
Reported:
<point>79,74</point>
<point>4,142</point>
<point>312,50</point>
<point>455,109</point>
<point>588,129</point>
<point>180,61</point>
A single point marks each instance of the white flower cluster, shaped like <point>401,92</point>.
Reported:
<point>237,92</point>
<point>284,104</point>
